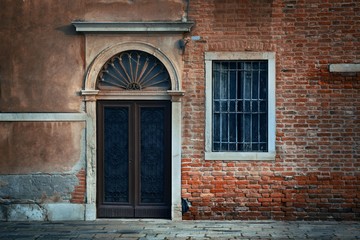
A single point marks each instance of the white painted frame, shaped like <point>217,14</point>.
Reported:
<point>211,56</point>
<point>91,95</point>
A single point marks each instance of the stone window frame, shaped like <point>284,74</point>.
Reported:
<point>214,56</point>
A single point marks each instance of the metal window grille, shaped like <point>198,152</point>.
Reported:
<point>240,106</point>
<point>134,70</point>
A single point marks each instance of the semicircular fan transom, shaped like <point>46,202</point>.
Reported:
<point>134,70</point>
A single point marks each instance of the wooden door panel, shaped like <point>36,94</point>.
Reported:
<point>152,155</point>
<point>116,153</point>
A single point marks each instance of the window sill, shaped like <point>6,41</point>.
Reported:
<point>243,156</point>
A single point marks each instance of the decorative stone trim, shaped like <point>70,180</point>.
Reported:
<point>91,95</point>
<point>42,117</point>
<point>176,95</point>
<point>100,60</point>
<point>241,156</point>
<point>133,95</point>
<point>86,92</point>
<point>132,26</point>
<point>345,67</point>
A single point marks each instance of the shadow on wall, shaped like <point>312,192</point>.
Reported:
<point>68,30</point>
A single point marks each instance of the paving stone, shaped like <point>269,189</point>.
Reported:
<point>176,238</point>
<point>148,237</point>
<point>188,230</point>
<point>85,236</point>
<point>106,235</point>
<point>136,235</point>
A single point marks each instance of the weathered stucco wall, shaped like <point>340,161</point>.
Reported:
<point>42,62</point>
<point>41,65</point>
<point>135,10</point>
<point>38,188</point>
<point>40,147</point>
<point>41,163</point>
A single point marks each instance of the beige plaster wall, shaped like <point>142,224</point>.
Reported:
<point>40,147</point>
<point>135,10</point>
<point>42,62</point>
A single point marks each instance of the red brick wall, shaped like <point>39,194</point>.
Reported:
<point>316,171</point>
<point>78,195</point>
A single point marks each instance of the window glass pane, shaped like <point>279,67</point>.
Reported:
<point>224,127</point>
<point>224,85</point>
<point>241,65</point>
<point>247,127</point>
<point>232,147</point>
<point>263,127</point>
<point>263,85</point>
<point>255,88</point>
<point>255,128</point>
<point>232,126</point>
<point>254,106</point>
<point>233,65</point>
<point>232,106</point>
<point>240,106</point>
<point>263,65</point>
<point>224,146</point>
<point>240,87</point>
<point>247,107</point>
<point>216,65</point>
<point>233,83</point>
<point>247,85</point>
<point>224,106</point>
<point>216,84</point>
<point>247,147</point>
<point>247,66</point>
<point>263,147</point>
<point>216,128</point>
<point>224,65</point>
<point>216,106</point>
<point>240,127</point>
<point>263,106</point>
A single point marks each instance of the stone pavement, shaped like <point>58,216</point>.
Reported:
<point>179,230</point>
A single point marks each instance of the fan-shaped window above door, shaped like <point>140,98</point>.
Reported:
<point>134,70</point>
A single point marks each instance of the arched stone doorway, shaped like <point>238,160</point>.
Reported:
<point>103,85</point>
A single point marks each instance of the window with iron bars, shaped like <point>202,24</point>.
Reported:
<point>240,106</point>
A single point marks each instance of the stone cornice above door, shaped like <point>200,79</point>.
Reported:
<point>133,27</point>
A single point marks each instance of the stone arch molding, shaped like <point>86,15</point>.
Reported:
<point>91,94</point>
<point>106,54</point>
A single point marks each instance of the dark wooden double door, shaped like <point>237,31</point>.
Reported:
<point>134,162</point>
